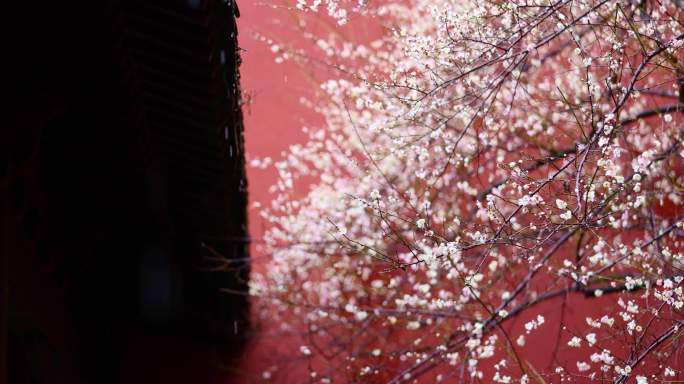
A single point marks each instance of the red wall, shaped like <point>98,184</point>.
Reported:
<point>273,120</point>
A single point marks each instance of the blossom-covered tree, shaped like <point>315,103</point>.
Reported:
<point>494,180</point>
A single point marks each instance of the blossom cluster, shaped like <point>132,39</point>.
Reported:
<point>485,167</point>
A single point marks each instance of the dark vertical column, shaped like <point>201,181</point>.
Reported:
<point>7,241</point>
<point>128,157</point>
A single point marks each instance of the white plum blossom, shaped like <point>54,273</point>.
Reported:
<point>582,366</point>
<point>375,194</point>
<point>567,215</point>
<point>305,350</point>
<point>575,342</point>
<point>591,338</point>
<point>520,341</point>
<point>561,204</point>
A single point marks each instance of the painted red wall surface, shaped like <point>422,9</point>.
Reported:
<point>274,118</point>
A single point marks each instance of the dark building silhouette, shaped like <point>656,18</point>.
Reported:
<point>124,193</point>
